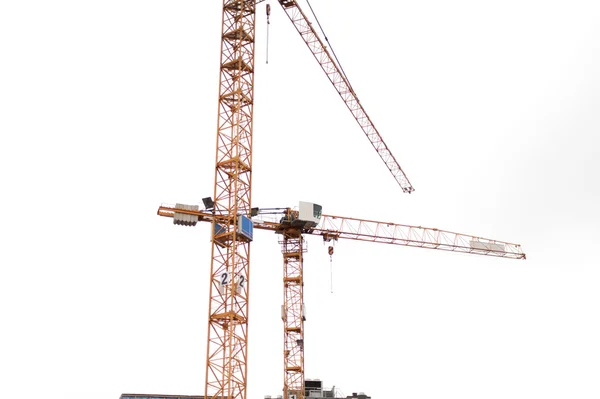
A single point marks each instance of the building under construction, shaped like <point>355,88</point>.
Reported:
<point>313,389</point>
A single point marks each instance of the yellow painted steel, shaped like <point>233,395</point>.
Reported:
<point>227,338</point>
<point>292,248</point>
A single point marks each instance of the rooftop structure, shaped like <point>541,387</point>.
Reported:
<point>314,390</point>
<point>153,396</point>
<point>360,395</point>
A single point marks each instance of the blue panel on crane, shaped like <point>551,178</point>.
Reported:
<point>245,227</point>
<point>219,229</point>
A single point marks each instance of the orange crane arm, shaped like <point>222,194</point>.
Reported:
<point>342,85</point>
<point>338,227</point>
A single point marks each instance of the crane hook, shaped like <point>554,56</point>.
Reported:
<point>330,251</point>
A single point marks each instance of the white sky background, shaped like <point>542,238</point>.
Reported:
<point>108,109</point>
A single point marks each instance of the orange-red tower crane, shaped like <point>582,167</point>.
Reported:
<point>307,219</point>
<point>230,211</point>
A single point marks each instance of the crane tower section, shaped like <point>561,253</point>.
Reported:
<point>226,364</point>
<point>293,313</point>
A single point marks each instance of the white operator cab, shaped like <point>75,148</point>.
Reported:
<point>310,213</point>
<point>307,217</point>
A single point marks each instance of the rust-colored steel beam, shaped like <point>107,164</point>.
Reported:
<point>340,227</point>
<point>342,86</point>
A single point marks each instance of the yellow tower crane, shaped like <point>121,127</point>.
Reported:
<point>233,219</point>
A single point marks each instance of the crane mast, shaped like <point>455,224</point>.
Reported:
<point>227,343</point>
<point>292,313</point>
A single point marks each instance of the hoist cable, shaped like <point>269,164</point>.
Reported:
<point>330,46</point>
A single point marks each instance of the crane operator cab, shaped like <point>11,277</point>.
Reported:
<point>307,216</point>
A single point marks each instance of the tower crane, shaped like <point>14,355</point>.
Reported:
<point>233,219</point>
<point>292,225</point>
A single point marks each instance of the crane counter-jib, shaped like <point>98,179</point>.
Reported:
<point>338,227</point>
